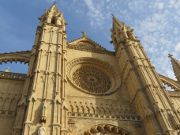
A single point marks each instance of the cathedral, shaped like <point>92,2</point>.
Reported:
<point>80,88</point>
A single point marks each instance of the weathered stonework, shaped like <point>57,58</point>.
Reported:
<point>80,88</point>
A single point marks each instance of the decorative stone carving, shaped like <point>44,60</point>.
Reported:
<point>43,115</point>
<point>102,111</point>
<point>22,101</point>
<point>178,110</point>
<point>86,44</point>
<point>124,32</point>
<point>174,121</point>
<point>91,79</point>
<point>93,76</point>
<point>23,57</point>
<point>42,130</point>
<point>106,129</point>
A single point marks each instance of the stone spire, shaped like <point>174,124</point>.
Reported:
<point>176,67</point>
<point>46,94</point>
<point>52,16</point>
<point>122,31</point>
<point>143,83</point>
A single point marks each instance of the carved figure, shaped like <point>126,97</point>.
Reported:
<point>42,130</point>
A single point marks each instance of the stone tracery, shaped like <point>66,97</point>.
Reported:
<point>93,76</point>
<point>91,79</point>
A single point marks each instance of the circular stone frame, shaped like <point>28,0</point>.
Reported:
<point>103,68</point>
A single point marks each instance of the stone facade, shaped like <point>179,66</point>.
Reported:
<point>80,88</point>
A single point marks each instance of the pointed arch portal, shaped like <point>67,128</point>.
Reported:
<point>106,129</point>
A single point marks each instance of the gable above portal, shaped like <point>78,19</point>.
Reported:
<point>86,44</point>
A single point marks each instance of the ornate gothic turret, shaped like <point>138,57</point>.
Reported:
<point>143,83</point>
<point>176,67</point>
<point>46,111</point>
<point>53,17</point>
<point>124,32</point>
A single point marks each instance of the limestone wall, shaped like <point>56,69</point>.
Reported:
<point>176,102</point>
<point>10,92</point>
<point>87,109</point>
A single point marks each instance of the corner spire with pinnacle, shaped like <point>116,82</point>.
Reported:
<point>53,16</point>
<point>121,32</point>
<point>176,66</point>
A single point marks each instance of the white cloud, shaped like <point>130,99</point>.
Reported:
<point>177,50</point>
<point>95,13</point>
<point>156,23</point>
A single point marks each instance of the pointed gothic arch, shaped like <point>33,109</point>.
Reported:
<point>106,129</point>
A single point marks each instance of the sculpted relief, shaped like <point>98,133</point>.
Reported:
<point>42,130</point>
<point>106,129</point>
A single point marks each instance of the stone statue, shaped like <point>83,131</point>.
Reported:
<point>42,130</point>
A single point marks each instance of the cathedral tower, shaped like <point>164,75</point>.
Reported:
<point>46,109</point>
<point>143,83</point>
<point>80,88</point>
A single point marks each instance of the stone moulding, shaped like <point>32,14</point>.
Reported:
<point>106,129</point>
<point>87,44</point>
<point>174,85</point>
<point>23,57</point>
<point>101,66</point>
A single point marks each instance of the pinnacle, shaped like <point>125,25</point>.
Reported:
<point>54,7</point>
<point>117,21</point>
<point>170,55</point>
<point>84,34</point>
<point>53,16</point>
<point>176,66</point>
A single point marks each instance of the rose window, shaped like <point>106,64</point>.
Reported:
<point>91,79</point>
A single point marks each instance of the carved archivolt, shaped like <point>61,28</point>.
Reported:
<point>106,129</point>
<point>93,76</point>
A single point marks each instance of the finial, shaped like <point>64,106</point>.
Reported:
<point>7,69</point>
<point>54,2</point>
<point>84,34</point>
<point>170,55</point>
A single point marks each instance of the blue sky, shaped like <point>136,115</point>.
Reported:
<point>156,23</point>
